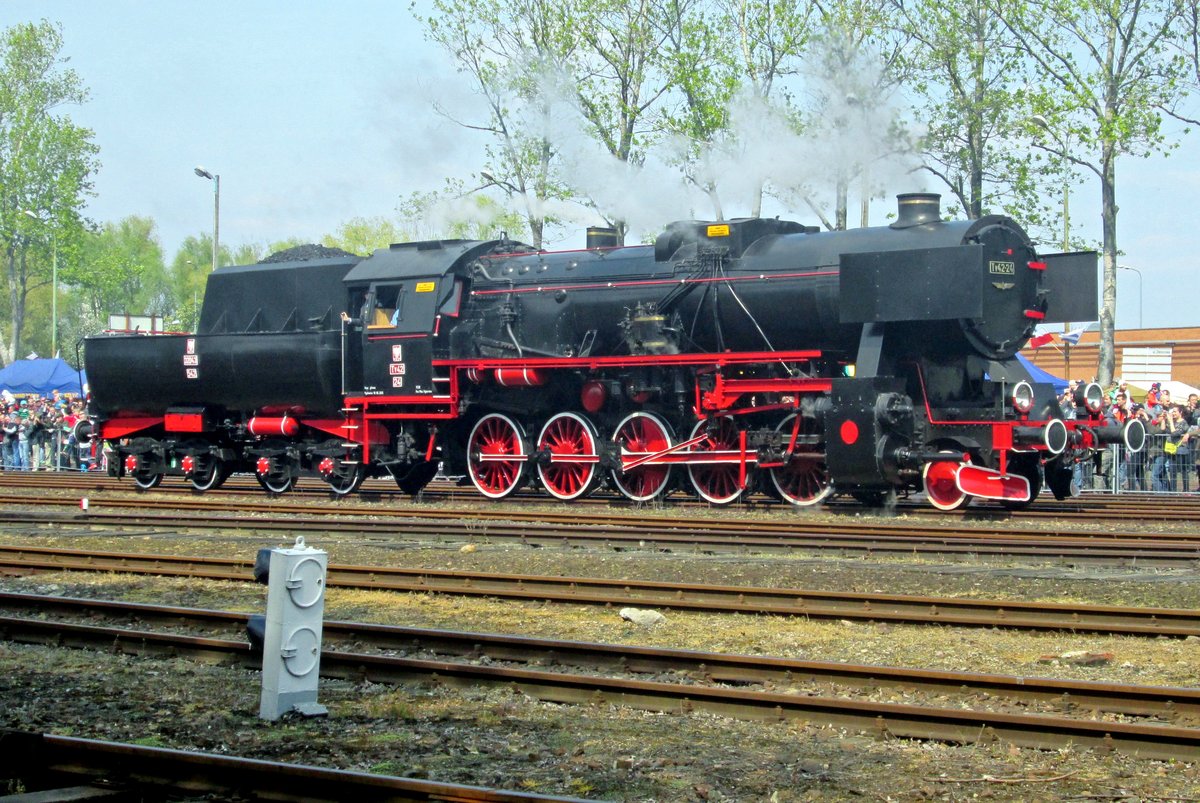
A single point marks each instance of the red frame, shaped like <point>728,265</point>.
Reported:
<point>720,399</point>
<point>1002,431</point>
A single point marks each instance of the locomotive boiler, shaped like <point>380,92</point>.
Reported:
<point>727,357</point>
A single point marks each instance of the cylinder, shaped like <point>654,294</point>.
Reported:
<point>593,396</point>
<point>520,377</point>
<point>261,426</point>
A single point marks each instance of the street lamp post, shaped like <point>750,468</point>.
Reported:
<point>1139,275</point>
<point>216,180</point>
<point>53,283</point>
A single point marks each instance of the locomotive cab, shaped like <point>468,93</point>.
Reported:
<point>391,350</point>
<point>406,291</point>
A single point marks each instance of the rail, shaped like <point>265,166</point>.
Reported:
<point>69,768</point>
<point>1154,739</point>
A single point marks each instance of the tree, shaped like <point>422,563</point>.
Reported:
<point>454,213</point>
<point>617,81</point>
<point>1104,71</point>
<point>362,235</point>
<point>853,72</point>
<point>1188,45</point>
<point>969,76</point>
<point>723,58</point>
<point>246,254</point>
<point>188,279</point>
<point>46,163</point>
<point>122,270</point>
<point>508,48</point>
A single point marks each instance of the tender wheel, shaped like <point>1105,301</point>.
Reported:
<point>571,441</point>
<point>145,473</point>
<point>345,477</point>
<point>717,482</point>
<point>146,479</point>
<point>416,478</point>
<point>941,486</point>
<point>804,480</point>
<point>274,473</point>
<point>642,434</point>
<point>496,456</point>
<point>276,484</point>
<point>210,473</point>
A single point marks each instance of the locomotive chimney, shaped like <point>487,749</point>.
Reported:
<point>601,237</point>
<point>915,208</point>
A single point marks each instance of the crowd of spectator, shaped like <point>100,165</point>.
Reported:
<point>1169,459</point>
<point>38,433</point>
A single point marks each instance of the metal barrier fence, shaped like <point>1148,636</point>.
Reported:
<point>1152,470</point>
<point>58,451</point>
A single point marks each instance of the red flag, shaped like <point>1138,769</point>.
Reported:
<point>1040,340</point>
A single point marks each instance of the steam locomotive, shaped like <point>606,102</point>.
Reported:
<point>727,357</point>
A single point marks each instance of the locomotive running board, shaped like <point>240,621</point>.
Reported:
<point>991,484</point>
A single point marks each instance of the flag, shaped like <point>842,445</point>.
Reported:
<point>1040,340</point>
<point>1072,336</point>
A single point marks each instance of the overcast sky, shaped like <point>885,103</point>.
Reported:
<point>316,112</point>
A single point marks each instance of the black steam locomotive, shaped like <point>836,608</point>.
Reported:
<point>727,357</point>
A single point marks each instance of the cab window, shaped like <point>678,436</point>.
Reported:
<point>388,309</point>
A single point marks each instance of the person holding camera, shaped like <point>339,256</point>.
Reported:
<point>37,434</point>
<point>1179,439</point>
<point>1169,430</point>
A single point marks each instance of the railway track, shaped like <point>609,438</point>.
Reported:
<point>53,767</point>
<point>1089,507</point>
<point>610,531</point>
<point>891,608</point>
<point>1174,705</point>
<point>954,724</point>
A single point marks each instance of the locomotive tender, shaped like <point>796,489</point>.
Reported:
<point>727,357</point>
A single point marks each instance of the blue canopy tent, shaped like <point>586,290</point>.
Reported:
<point>1038,375</point>
<point>21,377</point>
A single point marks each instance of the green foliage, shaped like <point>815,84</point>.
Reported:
<point>454,213</point>
<point>714,54</point>
<point>969,88</point>
<point>1103,73</point>
<point>122,270</point>
<point>283,245</point>
<point>362,235</point>
<point>46,164</point>
<point>119,269</point>
<point>509,50</point>
<point>188,278</point>
<point>247,254</point>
